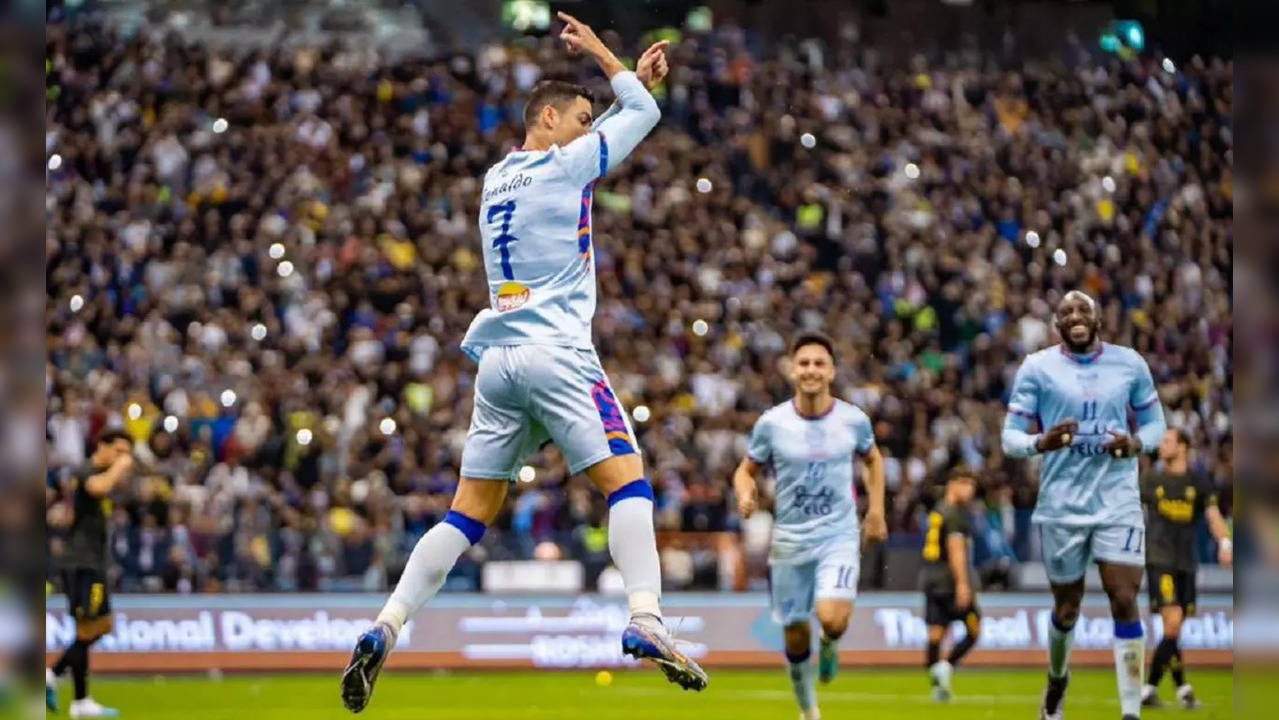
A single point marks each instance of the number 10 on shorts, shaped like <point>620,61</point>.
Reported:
<point>845,576</point>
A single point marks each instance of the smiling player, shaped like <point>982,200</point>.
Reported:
<point>811,442</point>
<point>1083,393</point>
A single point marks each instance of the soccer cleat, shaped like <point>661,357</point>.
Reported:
<point>50,690</point>
<point>1131,717</point>
<point>940,673</point>
<point>650,641</point>
<point>828,661</point>
<point>371,651</point>
<point>88,708</point>
<point>1186,696</point>
<point>1150,697</point>
<point>1053,696</point>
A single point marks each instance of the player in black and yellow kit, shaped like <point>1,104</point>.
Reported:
<point>947,578</point>
<point>1175,502</point>
<point>84,569</point>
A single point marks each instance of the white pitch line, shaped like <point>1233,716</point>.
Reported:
<point>922,698</point>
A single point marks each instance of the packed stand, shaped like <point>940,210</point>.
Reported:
<point>261,268</point>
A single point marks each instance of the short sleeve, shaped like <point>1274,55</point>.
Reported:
<point>958,523</point>
<point>585,160</point>
<point>863,433</point>
<point>1207,491</point>
<point>760,446</point>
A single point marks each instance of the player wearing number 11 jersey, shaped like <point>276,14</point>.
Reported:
<point>539,378</point>
<point>811,443</point>
<point>1097,410</point>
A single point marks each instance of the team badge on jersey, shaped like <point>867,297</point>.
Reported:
<point>512,295</point>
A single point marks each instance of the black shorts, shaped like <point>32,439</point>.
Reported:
<point>940,609</point>
<point>1170,587</point>
<point>86,593</point>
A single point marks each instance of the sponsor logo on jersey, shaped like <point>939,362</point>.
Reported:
<point>512,295</point>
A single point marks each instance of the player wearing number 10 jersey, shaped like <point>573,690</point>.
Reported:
<point>539,378</point>
<point>811,442</point>
<point>1097,409</point>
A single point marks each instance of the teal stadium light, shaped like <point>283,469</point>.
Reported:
<point>1123,35</point>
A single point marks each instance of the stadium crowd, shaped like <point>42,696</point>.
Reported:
<point>260,266</point>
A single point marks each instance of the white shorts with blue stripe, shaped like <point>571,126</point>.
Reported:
<point>528,395</point>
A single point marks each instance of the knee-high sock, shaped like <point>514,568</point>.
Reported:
<point>633,545</point>
<point>1159,660</point>
<point>1060,639</point>
<point>76,659</point>
<point>961,648</point>
<point>429,564</point>
<point>933,655</point>
<point>1130,653</point>
<point>803,679</point>
<point>1177,665</point>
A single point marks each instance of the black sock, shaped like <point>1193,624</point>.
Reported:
<point>934,652</point>
<point>1159,661</point>
<point>1178,667</point>
<point>80,672</point>
<point>961,649</point>
<point>68,658</point>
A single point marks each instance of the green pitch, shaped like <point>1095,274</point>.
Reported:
<point>575,695</point>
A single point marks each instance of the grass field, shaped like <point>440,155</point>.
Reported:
<point>736,695</point>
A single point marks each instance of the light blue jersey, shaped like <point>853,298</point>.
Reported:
<point>535,226</point>
<point>1110,390</point>
<point>812,461</point>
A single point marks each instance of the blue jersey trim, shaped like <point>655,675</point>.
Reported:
<point>603,155</point>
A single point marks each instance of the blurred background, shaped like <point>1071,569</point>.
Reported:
<point>261,257</point>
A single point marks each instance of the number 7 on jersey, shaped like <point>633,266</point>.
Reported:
<point>505,211</point>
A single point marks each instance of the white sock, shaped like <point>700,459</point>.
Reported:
<point>942,671</point>
<point>803,680</point>
<point>1130,654</point>
<point>633,545</point>
<point>430,562</point>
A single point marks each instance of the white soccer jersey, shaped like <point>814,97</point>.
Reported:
<point>535,225</point>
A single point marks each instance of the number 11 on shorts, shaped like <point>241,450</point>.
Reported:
<point>1136,541</point>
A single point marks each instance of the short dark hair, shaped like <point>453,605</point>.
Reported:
<point>961,472</point>
<point>108,437</point>
<point>556,93</point>
<point>813,337</point>
<point>1183,437</point>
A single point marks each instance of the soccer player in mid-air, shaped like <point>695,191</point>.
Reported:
<point>947,579</point>
<point>811,442</point>
<point>1082,393</point>
<point>539,378</point>
<point>1176,502</point>
<point>84,569</point>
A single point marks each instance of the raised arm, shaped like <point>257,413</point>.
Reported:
<point>103,483</point>
<point>617,133</point>
<point>650,70</point>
